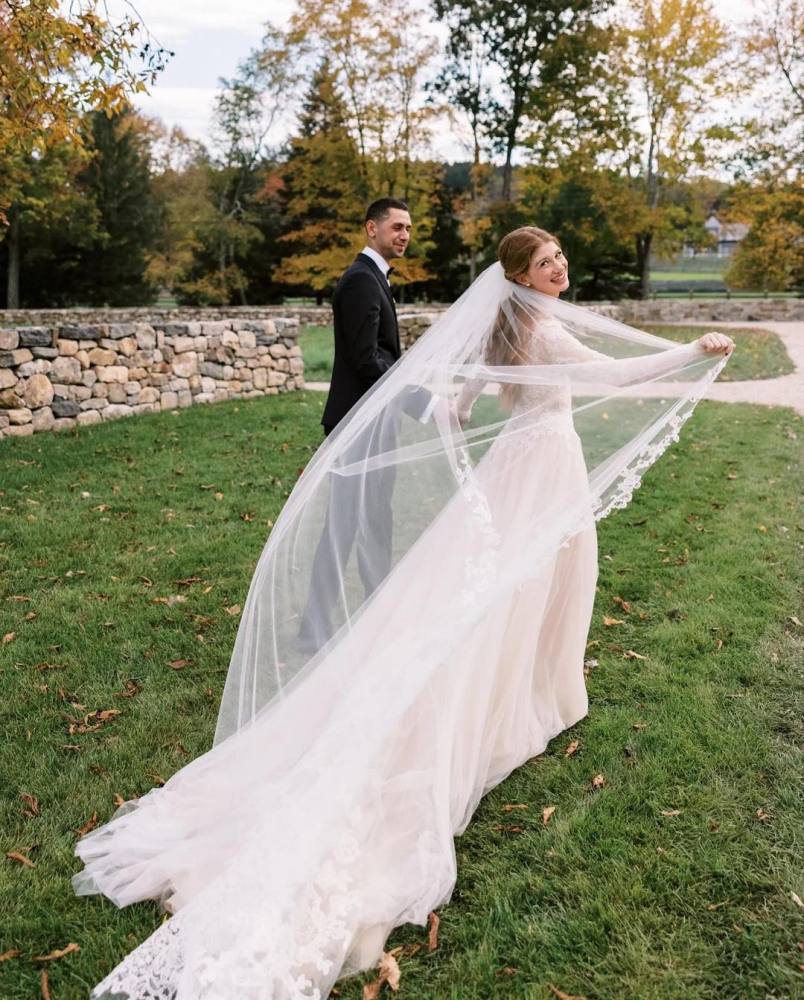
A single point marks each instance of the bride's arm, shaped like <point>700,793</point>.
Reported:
<point>588,365</point>
<point>470,390</point>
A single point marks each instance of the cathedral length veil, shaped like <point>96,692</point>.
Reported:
<point>324,814</point>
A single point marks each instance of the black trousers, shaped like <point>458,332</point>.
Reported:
<point>359,517</point>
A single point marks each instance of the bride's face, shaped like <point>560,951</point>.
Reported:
<point>548,271</point>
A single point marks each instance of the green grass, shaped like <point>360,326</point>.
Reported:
<point>758,353</point>
<point>690,276</point>
<point>318,350</point>
<point>611,899</point>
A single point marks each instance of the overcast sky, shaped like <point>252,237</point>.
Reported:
<point>210,37</point>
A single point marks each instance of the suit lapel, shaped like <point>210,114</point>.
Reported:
<point>386,289</point>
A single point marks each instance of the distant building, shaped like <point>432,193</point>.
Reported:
<point>727,235</point>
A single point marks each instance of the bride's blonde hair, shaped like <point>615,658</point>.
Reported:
<point>509,341</point>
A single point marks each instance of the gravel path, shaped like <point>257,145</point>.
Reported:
<point>786,390</point>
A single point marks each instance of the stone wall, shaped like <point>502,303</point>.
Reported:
<point>676,310</point>
<point>54,377</point>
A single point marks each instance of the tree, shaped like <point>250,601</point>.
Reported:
<point>674,52</point>
<point>325,190</point>
<point>56,65</point>
<point>533,52</point>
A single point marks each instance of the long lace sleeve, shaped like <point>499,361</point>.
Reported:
<point>470,390</point>
<point>556,345</point>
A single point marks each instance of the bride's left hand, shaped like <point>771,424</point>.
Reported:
<point>716,343</point>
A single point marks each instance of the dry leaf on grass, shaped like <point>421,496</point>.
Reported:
<point>58,953</point>
<point>45,985</point>
<point>9,637</point>
<point>547,812</point>
<point>507,828</point>
<point>671,812</point>
<point>598,781</point>
<point>33,805</point>
<point>432,933</point>
<point>572,747</point>
<point>622,604</point>
<point>171,600</point>
<point>608,622</point>
<point>797,899</point>
<point>233,610</point>
<point>20,858</point>
<point>561,995</point>
<point>11,953</point>
<point>179,664</point>
<point>510,806</point>
<point>389,973</point>
<point>90,824</point>
<point>629,654</point>
<point>762,816</point>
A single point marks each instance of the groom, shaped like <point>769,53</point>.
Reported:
<point>360,511</point>
<point>364,313</point>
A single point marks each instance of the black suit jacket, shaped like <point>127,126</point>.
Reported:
<point>366,340</point>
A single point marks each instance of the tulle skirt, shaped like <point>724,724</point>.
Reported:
<point>291,850</point>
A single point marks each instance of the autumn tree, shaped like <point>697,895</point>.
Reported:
<point>325,190</point>
<point>674,52</point>
<point>58,64</point>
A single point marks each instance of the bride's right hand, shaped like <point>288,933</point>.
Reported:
<point>716,343</point>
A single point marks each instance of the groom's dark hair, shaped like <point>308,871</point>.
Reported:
<point>380,208</point>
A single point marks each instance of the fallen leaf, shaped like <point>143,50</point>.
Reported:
<point>90,824</point>
<point>131,689</point>
<point>598,781</point>
<point>432,933</point>
<point>18,598</point>
<point>795,621</point>
<point>118,799</point>
<point>640,725</point>
<point>510,806</point>
<point>178,664</point>
<point>11,953</point>
<point>45,986</point>
<point>797,899</point>
<point>9,637</point>
<point>622,604</point>
<point>762,816</point>
<point>612,621</point>
<point>507,828</point>
<point>170,601</point>
<point>20,858</point>
<point>30,616</point>
<point>389,970</point>
<point>33,805</point>
<point>233,610</point>
<point>572,748</point>
<point>59,953</point>
<point>629,654</point>
<point>547,812</point>
<point>187,581</point>
<point>716,906</point>
<point>218,496</point>
<point>561,995</point>
<point>671,812</point>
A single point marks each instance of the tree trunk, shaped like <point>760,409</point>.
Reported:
<point>13,244</point>
<point>643,247</point>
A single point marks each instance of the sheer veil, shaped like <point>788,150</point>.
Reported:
<point>628,393</point>
<point>394,656</point>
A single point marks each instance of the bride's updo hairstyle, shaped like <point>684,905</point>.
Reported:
<point>514,326</point>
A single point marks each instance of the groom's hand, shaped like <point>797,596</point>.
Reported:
<point>716,343</point>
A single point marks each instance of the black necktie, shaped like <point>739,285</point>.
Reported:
<point>388,274</point>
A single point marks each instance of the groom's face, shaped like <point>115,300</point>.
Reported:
<point>391,235</point>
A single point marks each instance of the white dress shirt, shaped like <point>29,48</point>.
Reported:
<point>385,267</point>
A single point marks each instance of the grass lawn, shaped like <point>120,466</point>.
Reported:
<point>125,550</point>
<point>691,276</point>
<point>759,354</point>
<point>318,349</point>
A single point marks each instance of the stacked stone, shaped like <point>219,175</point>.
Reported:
<point>413,325</point>
<point>55,378</point>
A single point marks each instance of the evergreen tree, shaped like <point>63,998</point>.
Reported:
<point>324,191</point>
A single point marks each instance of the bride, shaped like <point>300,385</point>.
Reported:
<point>324,815</point>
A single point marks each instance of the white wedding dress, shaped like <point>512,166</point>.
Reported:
<point>291,849</point>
